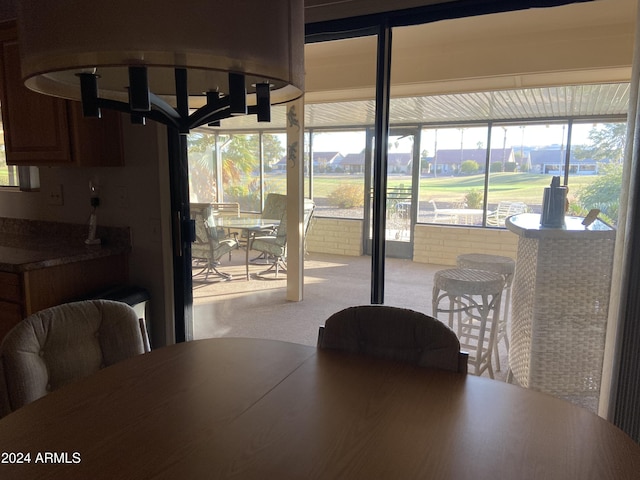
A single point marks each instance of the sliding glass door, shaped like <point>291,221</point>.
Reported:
<point>402,184</point>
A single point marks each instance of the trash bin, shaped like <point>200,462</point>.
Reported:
<point>134,296</point>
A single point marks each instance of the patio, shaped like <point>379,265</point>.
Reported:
<point>258,308</point>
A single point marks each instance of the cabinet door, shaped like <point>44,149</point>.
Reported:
<point>36,125</point>
<point>96,142</point>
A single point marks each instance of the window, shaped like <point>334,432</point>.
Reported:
<point>452,174</point>
<point>236,167</point>
<point>596,169</point>
<point>8,173</point>
<point>525,157</point>
<point>457,169</point>
<point>338,173</point>
<point>273,146</point>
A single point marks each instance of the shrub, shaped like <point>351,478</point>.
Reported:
<point>469,167</point>
<point>473,198</point>
<point>603,193</point>
<point>495,167</point>
<point>347,196</point>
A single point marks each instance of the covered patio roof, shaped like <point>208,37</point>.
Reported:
<point>544,103</point>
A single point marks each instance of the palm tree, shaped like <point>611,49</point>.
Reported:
<point>240,154</point>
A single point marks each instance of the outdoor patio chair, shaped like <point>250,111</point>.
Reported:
<point>275,207</point>
<point>208,246</point>
<point>394,333</point>
<point>226,209</point>
<point>447,215</point>
<point>274,247</point>
<point>61,344</point>
<point>230,209</point>
<point>504,209</point>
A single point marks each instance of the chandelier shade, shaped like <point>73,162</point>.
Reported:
<point>262,41</point>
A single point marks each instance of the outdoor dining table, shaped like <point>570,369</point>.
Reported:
<point>251,225</point>
<point>261,409</point>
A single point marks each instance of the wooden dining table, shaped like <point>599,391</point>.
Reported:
<point>264,409</point>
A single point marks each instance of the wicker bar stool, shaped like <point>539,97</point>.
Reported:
<point>474,295</point>
<point>505,266</point>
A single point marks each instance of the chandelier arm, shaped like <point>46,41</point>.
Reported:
<point>213,117</point>
<point>156,115</point>
<point>210,113</point>
<point>164,107</point>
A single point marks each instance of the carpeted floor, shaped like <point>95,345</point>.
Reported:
<point>257,308</point>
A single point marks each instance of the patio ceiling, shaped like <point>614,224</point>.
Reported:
<point>578,101</point>
<point>535,64</point>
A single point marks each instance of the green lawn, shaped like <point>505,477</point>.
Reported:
<point>522,187</point>
<point>4,176</point>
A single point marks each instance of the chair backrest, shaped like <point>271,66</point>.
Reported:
<point>395,333</point>
<point>516,208</point>
<point>275,206</point>
<point>309,208</point>
<point>64,343</point>
<point>201,246</point>
<point>504,210</point>
<point>229,209</point>
<point>199,213</point>
<point>503,207</point>
<point>208,235</point>
<point>281,230</point>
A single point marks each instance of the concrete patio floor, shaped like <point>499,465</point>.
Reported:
<point>257,308</point>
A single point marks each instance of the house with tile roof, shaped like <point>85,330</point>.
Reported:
<point>322,162</point>
<point>449,161</point>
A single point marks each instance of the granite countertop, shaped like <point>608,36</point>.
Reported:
<point>31,245</point>
<point>528,225</point>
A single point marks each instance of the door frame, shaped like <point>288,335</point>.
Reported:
<point>394,249</point>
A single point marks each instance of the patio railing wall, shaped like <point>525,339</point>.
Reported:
<point>435,244</point>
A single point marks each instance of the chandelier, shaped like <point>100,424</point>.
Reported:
<point>184,64</point>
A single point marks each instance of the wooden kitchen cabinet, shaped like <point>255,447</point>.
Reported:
<point>24,293</point>
<point>11,310</point>
<point>44,130</point>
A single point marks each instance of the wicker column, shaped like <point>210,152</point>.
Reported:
<point>560,302</point>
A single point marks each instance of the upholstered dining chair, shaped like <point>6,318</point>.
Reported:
<point>64,343</point>
<point>395,333</point>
